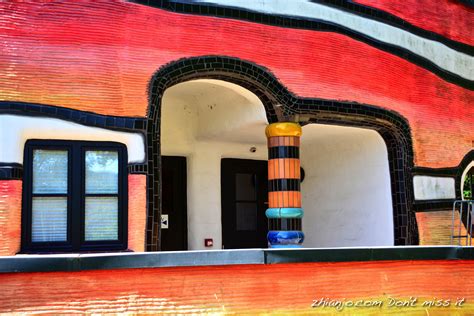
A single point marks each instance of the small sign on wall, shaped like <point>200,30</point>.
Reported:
<point>164,221</point>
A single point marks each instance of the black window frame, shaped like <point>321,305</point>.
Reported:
<point>75,197</point>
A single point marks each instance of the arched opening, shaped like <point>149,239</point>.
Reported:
<point>278,105</point>
<point>467,182</point>
<point>207,123</point>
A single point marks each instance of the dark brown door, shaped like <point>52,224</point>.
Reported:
<point>244,195</point>
<point>174,227</point>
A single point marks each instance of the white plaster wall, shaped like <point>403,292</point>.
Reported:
<point>346,193</point>
<point>433,188</point>
<point>15,130</point>
<point>205,121</point>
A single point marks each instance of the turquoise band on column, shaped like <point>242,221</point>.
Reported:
<point>284,212</point>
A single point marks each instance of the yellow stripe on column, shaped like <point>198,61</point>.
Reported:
<point>283,129</point>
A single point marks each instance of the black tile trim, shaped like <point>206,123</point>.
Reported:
<point>14,171</point>
<point>282,105</point>
<point>70,263</point>
<point>433,205</point>
<point>118,123</point>
<point>208,9</point>
<point>285,224</point>
<point>11,171</point>
<point>137,168</point>
<point>280,152</point>
<point>279,185</point>
<point>454,172</point>
<point>469,3</point>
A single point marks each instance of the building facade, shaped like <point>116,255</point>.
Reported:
<point>141,125</point>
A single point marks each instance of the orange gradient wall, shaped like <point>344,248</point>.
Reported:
<point>435,228</point>
<point>136,212</point>
<point>250,289</point>
<point>10,217</point>
<point>100,57</point>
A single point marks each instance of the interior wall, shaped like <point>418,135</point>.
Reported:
<point>205,121</point>
<point>346,193</point>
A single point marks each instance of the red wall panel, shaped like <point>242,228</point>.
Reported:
<point>450,18</point>
<point>10,217</point>
<point>136,211</point>
<point>252,289</point>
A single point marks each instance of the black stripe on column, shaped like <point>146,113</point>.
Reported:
<point>11,171</point>
<point>284,224</point>
<point>280,152</point>
<point>284,185</point>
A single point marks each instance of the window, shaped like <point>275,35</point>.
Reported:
<point>75,196</point>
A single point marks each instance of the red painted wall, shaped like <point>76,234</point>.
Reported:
<point>10,217</point>
<point>450,18</point>
<point>100,57</point>
<point>136,212</point>
<point>241,289</point>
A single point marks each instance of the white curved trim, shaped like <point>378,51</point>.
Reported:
<point>15,130</point>
<point>441,55</point>
<point>463,177</point>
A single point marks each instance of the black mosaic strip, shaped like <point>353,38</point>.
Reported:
<point>11,171</point>
<point>433,205</point>
<point>283,185</point>
<point>469,3</point>
<point>283,152</point>
<point>126,124</point>
<point>284,224</point>
<point>281,105</point>
<point>137,168</point>
<point>208,9</point>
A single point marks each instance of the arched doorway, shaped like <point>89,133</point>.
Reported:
<point>281,105</point>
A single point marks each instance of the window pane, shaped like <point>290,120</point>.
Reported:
<point>50,171</point>
<point>246,216</point>
<point>49,219</point>
<point>101,218</point>
<point>245,186</point>
<point>101,172</point>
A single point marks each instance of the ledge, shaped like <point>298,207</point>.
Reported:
<point>81,262</point>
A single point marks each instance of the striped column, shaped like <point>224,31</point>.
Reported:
<point>284,196</point>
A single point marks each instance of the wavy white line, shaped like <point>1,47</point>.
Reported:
<point>438,53</point>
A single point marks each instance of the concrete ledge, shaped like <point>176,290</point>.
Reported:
<point>107,261</point>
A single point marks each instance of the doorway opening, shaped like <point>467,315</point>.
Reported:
<point>219,129</point>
